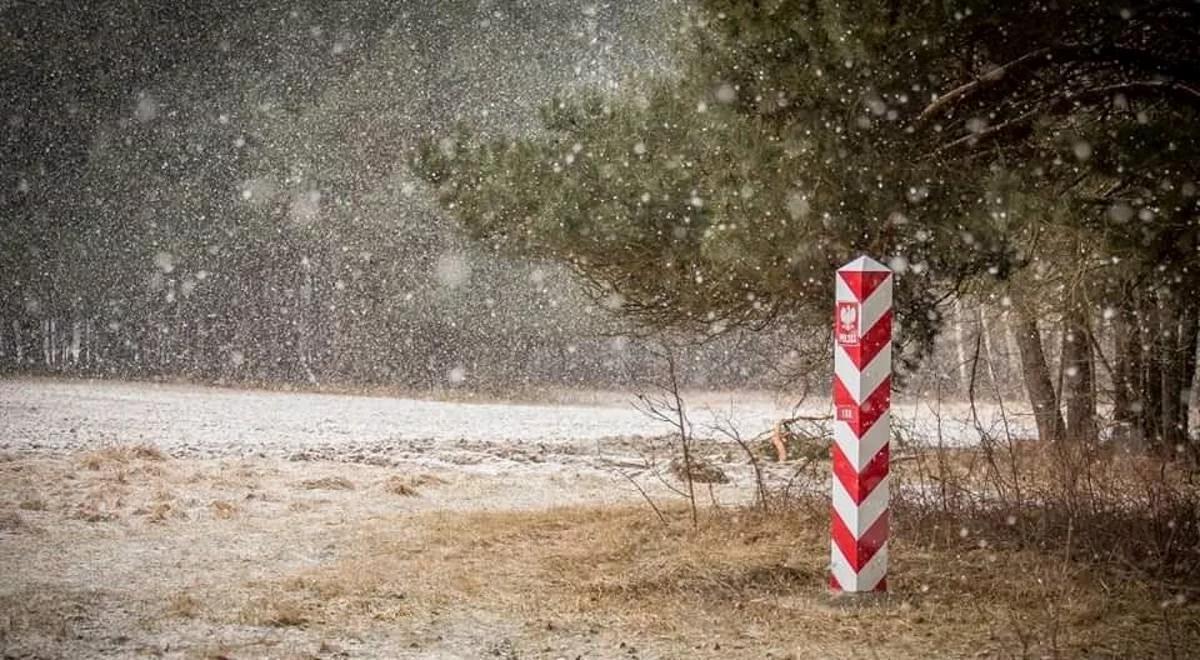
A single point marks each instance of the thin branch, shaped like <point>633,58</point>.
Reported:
<point>1047,56</point>
<point>658,512</point>
<point>729,430</point>
<point>988,79</point>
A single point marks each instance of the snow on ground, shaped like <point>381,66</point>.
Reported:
<point>205,422</point>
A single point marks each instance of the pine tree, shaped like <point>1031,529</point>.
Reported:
<point>1030,149</point>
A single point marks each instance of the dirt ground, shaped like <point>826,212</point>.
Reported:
<point>129,553</point>
<point>475,548</point>
<point>126,552</point>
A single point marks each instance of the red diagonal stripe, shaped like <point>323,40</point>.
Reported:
<point>843,538</point>
<point>859,551</point>
<point>871,541</point>
<point>863,283</point>
<point>841,395</point>
<point>861,418</point>
<point>872,342</point>
<point>860,484</point>
<point>834,584</point>
<point>845,472</point>
<point>874,407</point>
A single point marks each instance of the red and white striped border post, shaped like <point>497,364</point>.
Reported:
<point>862,395</point>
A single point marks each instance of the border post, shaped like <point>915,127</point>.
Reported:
<point>862,394</point>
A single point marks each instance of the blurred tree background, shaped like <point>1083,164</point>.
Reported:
<point>221,194</point>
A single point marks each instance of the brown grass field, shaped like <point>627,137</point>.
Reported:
<point>126,552</point>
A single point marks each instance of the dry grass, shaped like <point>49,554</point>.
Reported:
<point>223,509</point>
<point>967,581</point>
<point>184,606</point>
<point>120,455</point>
<point>11,521</point>
<point>411,485</point>
<point>274,612</point>
<point>32,504</point>
<point>736,572</point>
<point>1090,502</point>
<point>327,483</point>
<point>42,610</point>
<point>398,486</point>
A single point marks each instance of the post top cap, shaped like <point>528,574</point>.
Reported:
<point>865,264</point>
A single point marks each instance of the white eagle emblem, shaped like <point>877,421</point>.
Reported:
<point>847,326</point>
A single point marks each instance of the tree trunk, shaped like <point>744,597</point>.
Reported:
<point>1151,391</point>
<point>961,345</point>
<point>1190,334</point>
<point>1171,372</point>
<point>988,357</point>
<point>1125,365</point>
<point>19,341</point>
<point>1078,394</point>
<point>1036,374</point>
<point>1011,360</point>
<point>76,340</point>
<point>1179,339</point>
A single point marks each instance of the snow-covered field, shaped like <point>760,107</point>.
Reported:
<point>203,422</point>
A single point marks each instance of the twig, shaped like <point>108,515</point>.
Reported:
<point>730,431</point>
<point>645,496</point>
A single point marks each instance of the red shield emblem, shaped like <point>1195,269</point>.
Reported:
<point>846,323</point>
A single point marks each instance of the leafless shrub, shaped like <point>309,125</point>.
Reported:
<point>1088,501</point>
<point>665,404</point>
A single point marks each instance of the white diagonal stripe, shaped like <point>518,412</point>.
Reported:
<point>874,307</point>
<point>844,294</point>
<point>841,568</point>
<point>860,384</point>
<point>860,517</point>
<point>864,580</point>
<point>873,572</point>
<point>860,451</point>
